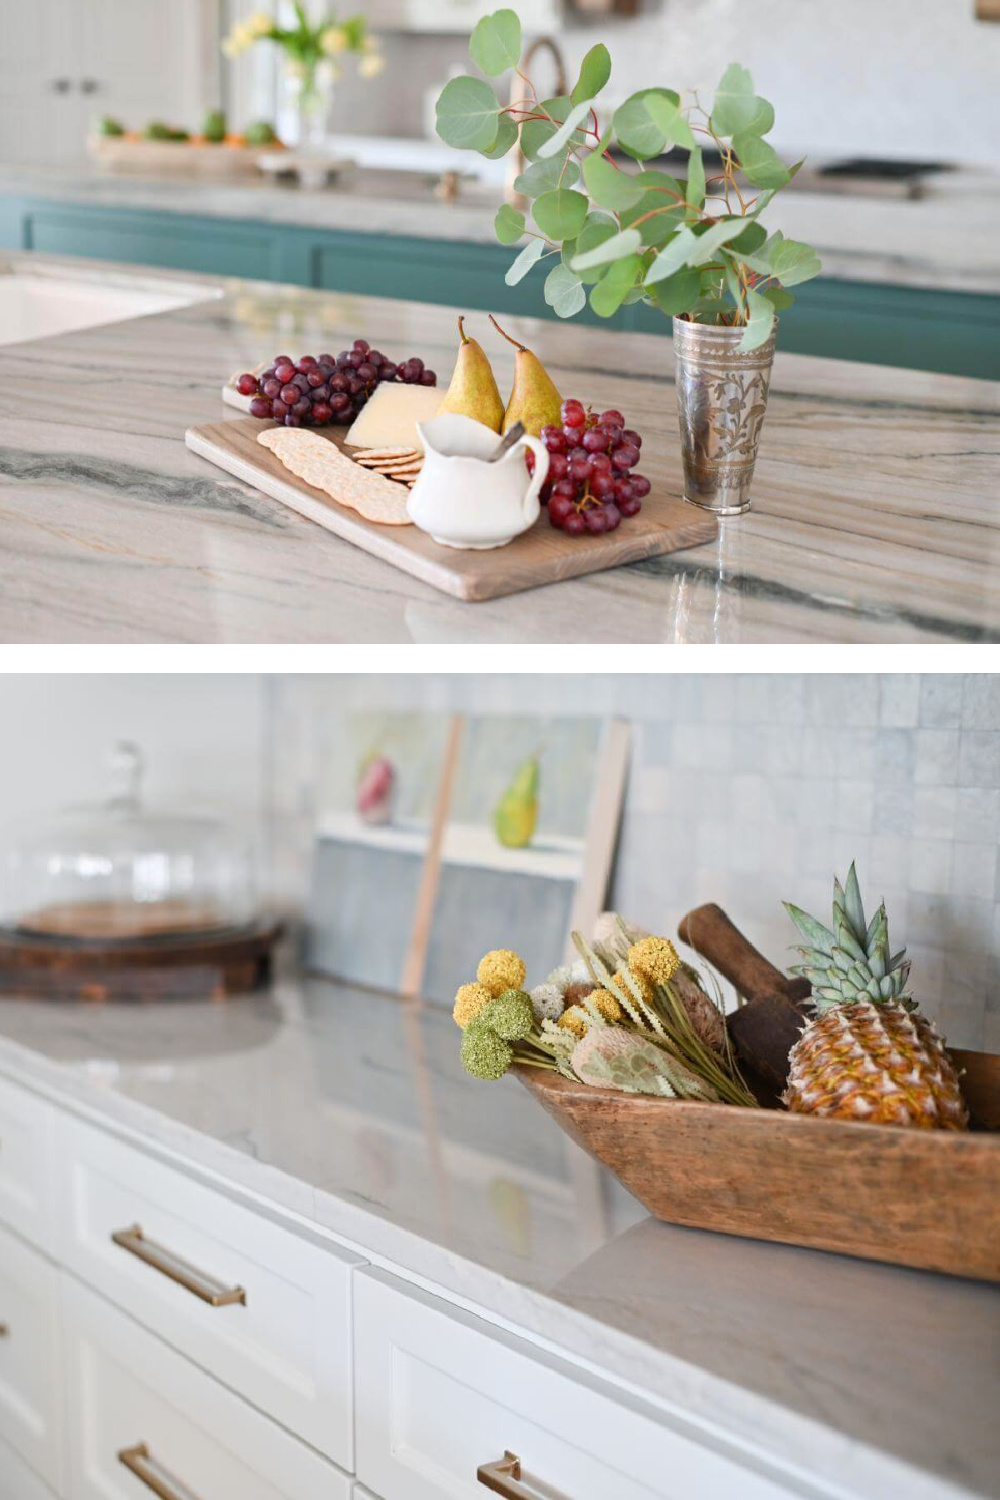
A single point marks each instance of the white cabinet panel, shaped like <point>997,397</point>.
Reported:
<point>27,1188</point>
<point>281,1335</point>
<point>17,1481</point>
<point>134,1400</point>
<point>441,1393</point>
<point>30,1367</point>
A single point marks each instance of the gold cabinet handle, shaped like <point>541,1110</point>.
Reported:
<point>206,1287</point>
<point>140,1462</point>
<point>4,1330</point>
<point>503,1477</point>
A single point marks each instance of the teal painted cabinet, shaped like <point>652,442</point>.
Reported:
<point>951,332</point>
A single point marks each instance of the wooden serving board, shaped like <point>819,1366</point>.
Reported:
<point>542,555</point>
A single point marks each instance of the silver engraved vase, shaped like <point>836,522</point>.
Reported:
<point>721,401</point>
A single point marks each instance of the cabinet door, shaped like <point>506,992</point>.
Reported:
<point>30,1372</point>
<point>17,1481</point>
<point>27,1191</point>
<point>142,60</point>
<point>40,116</point>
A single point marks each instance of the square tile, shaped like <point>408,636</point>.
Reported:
<point>855,806</point>
<point>940,700</point>
<point>899,700</point>
<point>977,814</point>
<point>979,758</point>
<point>931,866</point>
<point>974,871</point>
<point>893,809</point>
<point>981,701</point>
<point>934,811</point>
<point>937,753</point>
<point>895,756</point>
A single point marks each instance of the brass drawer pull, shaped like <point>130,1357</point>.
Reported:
<point>206,1287</point>
<point>140,1462</point>
<point>503,1477</point>
<point>4,1330</point>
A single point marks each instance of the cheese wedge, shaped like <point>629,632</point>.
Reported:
<point>389,419</point>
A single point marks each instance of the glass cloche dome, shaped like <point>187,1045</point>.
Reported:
<point>117,871</point>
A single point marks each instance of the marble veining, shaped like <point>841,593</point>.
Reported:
<point>352,1111</point>
<point>874,518</point>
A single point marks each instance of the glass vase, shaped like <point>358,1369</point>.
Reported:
<point>312,99</point>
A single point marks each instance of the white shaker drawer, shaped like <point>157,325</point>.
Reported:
<point>141,1416</point>
<point>17,1481</point>
<point>267,1312</point>
<point>442,1394</point>
<point>26,1187</point>
<point>30,1367</point>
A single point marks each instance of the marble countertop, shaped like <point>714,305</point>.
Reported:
<point>887,239</point>
<point>352,1111</point>
<point>875,516</point>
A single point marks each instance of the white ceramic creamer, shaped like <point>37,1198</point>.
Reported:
<point>464,501</point>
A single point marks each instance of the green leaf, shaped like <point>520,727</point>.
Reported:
<point>595,70</point>
<point>778,297</point>
<point>545,176</point>
<point>608,185</point>
<point>673,256</point>
<point>615,247</point>
<point>508,224</point>
<point>529,256</point>
<point>717,234</point>
<point>793,262</point>
<point>750,240</point>
<point>695,190</point>
<point>759,326</point>
<point>495,44</point>
<point>564,292</point>
<point>667,114</point>
<point>506,137</point>
<point>598,228</point>
<point>763,119</point>
<point>562,137</point>
<point>614,286</point>
<point>468,114</point>
<point>733,285</point>
<point>661,208</point>
<point>561,214</point>
<point>638,133</point>
<point>678,293</point>
<point>736,105</point>
<point>534,133</point>
<point>760,162</point>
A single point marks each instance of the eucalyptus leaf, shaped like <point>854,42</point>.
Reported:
<point>678,294</point>
<point>595,70</point>
<point>673,256</point>
<point>508,224</point>
<point>598,228</point>
<point>506,137</point>
<point>792,262</point>
<point>668,115</point>
<point>561,214</point>
<point>661,208</point>
<point>564,292</point>
<point>545,176</point>
<point>564,135</point>
<point>763,119</point>
<point>735,106</point>
<point>695,190</point>
<point>535,133</point>
<point>778,297</point>
<point>468,114</point>
<point>608,185</point>
<point>612,289</point>
<point>717,234</point>
<point>759,324</point>
<point>638,133</point>
<point>616,247</point>
<point>495,44</point>
<point>529,256</point>
<point>760,162</point>
<point>750,240</point>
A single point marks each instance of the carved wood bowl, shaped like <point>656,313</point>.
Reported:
<point>923,1198</point>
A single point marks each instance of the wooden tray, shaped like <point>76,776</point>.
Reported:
<point>217,160</point>
<point>543,555</point>
<point>189,966</point>
<point>923,1198</point>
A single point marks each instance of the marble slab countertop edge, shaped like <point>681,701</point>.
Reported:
<point>786,1443</point>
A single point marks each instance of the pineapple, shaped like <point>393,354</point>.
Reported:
<point>868,1055</point>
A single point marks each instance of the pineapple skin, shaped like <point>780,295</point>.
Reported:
<point>880,1064</point>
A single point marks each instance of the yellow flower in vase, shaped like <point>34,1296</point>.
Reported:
<point>258,25</point>
<point>371,65</point>
<point>334,41</point>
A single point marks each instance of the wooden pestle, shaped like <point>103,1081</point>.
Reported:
<point>766,1027</point>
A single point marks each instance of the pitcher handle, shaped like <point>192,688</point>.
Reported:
<point>531,505</point>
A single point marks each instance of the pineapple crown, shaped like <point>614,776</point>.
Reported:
<point>853,962</point>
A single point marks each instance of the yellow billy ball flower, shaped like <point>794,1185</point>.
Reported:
<point>500,970</point>
<point>575,1020</point>
<point>371,65</point>
<point>655,959</point>
<point>606,1004</point>
<point>469,1002</point>
<point>624,991</point>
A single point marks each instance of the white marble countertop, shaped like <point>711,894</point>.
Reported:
<point>874,519</point>
<point>352,1111</point>
<point>946,240</point>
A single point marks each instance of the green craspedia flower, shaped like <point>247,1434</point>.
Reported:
<point>484,1054</point>
<point>511,1015</point>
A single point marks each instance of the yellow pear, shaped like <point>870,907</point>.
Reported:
<point>473,391</point>
<point>534,399</point>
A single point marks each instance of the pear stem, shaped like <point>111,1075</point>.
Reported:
<point>521,348</point>
<point>461,331</point>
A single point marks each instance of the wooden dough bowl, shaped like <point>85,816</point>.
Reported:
<point>923,1198</point>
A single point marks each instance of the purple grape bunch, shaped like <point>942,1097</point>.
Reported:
<point>316,390</point>
<point>591,486</point>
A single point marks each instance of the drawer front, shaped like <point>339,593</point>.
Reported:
<point>26,1185</point>
<point>266,1312</point>
<point>140,1415</point>
<point>30,1367</point>
<point>441,1394</point>
<point>17,1481</point>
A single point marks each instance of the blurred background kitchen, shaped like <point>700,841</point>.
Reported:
<point>893,104</point>
<point>743,790</point>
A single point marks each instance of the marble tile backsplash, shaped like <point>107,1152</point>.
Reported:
<point>748,789</point>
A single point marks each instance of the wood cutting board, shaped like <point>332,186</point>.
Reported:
<point>540,556</point>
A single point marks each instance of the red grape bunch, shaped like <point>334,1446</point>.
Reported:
<point>591,485</point>
<point>312,392</point>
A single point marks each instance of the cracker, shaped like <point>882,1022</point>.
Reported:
<point>320,463</point>
<point>376,455</point>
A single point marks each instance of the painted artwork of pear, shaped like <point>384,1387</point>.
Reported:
<point>534,399</point>
<point>516,815</point>
<point>473,391</point>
